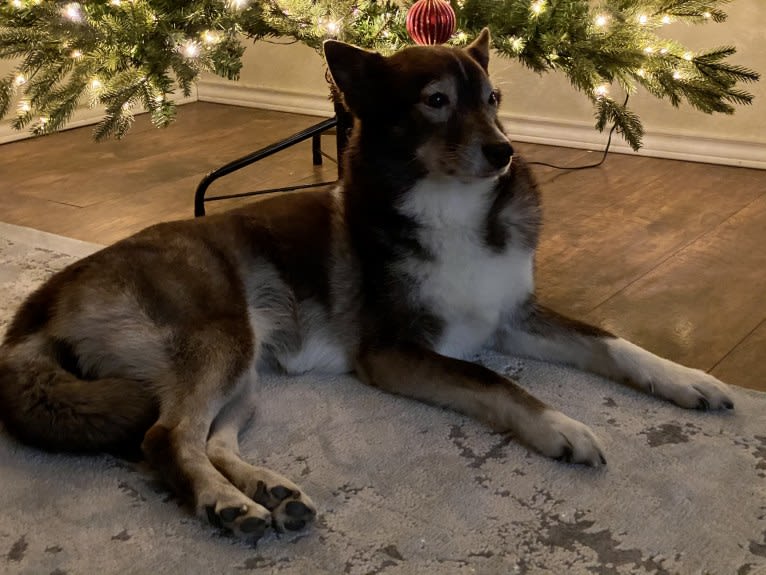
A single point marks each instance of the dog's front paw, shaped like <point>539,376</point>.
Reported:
<point>565,439</point>
<point>693,389</point>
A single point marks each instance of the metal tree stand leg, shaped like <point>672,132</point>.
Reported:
<point>342,123</point>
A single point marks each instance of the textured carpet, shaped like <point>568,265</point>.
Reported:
<point>407,489</point>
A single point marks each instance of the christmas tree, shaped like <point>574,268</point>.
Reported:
<point>129,55</point>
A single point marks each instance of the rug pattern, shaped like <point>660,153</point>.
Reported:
<point>403,488</point>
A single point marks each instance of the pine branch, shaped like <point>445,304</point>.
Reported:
<point>141,51</point>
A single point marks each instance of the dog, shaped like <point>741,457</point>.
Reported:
<point>421,256</point>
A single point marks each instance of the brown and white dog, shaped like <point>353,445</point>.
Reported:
<point>423,255</point>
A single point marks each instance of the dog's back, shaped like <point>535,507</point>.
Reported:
<point>424,254</point>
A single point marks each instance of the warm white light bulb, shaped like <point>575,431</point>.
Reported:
<point>95,84</point>
<point>211,37</point>
<point>601,91</point>
<point>20,79</point>
<point>238,4</point>
<point>688,56</point>
<point>641,72</point>
<point>666,19</point>
<point>663,50</point>
<point>24,106</point>
<point>73,12</point>
<point>537,6</point>
<point>601,21</point>
<point>190,49</point>
<point>76,54</point>
<point>707,15</point>
<point>676,75</point>
<point>333,27</point>
<point>17,4</point>
<point>643,19</point>
<point>649,50</point>
<point>461,37</point>
<point>115,2</point>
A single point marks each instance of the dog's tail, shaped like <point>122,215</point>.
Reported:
<point>47,406</point>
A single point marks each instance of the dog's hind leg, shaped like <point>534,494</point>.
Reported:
<point>479,392</point>
<point>544,334</point>
<point>291,509</point>
<point>214,365</point>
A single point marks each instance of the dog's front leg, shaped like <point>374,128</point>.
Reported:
<point>481,393</point>
<point>543,334</point>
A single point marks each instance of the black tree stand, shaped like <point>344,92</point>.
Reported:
<point>342,123</point>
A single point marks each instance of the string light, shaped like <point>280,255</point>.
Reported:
<point>641,72</point>
<point>17,4</point>
<point>115,2</point>
<point>461,37</point>
<point>707,15</point>
<point>643,19</point>
<point>20,79</point>
<point>95,84</point>
<point>24,107</point>
<point>649,50</point>
<point>332,27</point>
<point>211,37</point>
<point>190,49</point>
<point>601,20</point>
<point>601,91</point>
<point>517,44</point>
<point>73,12</point>
<point>688,56</point>
<point>76,54</point>
<point>663,50</point>
<point>238,4</point>
<point>666,19</point>
<point>677,75</point>
<point>537,6</point>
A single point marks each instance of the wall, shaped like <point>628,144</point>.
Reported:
<point>536,108</point>
<point>545,108</point>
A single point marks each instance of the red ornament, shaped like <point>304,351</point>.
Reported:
<point>431,21</point>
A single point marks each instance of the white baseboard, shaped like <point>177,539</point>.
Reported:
<point>82,117</point>
<point>690,147</point>
<point>265,98</point>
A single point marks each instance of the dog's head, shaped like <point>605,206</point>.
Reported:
<point>435,103</point>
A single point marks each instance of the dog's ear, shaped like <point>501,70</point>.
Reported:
<point>355,72</point>
<point>479,49</point>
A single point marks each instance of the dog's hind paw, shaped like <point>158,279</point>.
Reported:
<point>565,439</point>
<point>291,509</point>
<point>246,519</point>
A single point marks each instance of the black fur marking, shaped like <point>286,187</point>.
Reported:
<point>67,358</point>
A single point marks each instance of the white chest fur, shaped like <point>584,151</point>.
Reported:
<point>468,285</point>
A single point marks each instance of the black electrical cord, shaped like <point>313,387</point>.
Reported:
<point>586,166</point>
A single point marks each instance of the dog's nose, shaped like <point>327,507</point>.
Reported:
<point>498,154</point>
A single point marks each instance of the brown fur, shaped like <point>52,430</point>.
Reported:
<point>422,256</point>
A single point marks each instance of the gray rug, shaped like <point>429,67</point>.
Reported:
<point>407,489</point>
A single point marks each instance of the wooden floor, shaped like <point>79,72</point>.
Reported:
<point>669,254</point>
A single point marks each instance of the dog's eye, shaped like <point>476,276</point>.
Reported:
<point>494,98</point>
<point>437,100</point>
